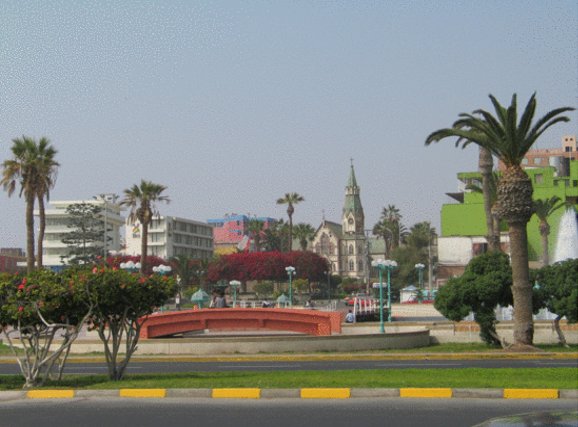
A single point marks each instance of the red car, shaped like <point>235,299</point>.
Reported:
<point>349,300</point>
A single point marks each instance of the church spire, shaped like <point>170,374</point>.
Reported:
<point>353,217</point>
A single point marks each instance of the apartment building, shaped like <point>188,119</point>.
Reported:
<point>169,236</point>
<point>55,252</point>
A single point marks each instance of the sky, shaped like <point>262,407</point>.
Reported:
<point>232,104</point>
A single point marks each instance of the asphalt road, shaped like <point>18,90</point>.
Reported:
<point>264,413</point>
<point>322,365</point>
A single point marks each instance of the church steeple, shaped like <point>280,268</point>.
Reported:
<point>352,217</point>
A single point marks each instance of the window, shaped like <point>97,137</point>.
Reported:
<point>351,265</point>
<point>350,250</point>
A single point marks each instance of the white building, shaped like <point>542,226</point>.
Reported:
<point>171,236</point>
<point>55,252</point>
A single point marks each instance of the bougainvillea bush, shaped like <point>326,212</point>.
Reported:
<point>34,310</point>
<point>121,301</point>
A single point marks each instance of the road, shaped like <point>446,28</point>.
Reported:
<point>322,365</point>
<point>264,413</point>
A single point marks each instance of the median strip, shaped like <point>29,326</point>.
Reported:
<point>325,393</point>
<point>529,393</point>
<point>236,393</point>
<point>443,393</point>
<point>50,394</point>
<point>143,392</point>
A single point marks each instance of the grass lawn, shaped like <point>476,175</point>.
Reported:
<point>560,378</point>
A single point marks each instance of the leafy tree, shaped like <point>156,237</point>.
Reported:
<point>264,288</point>
<point>485,284</point>
<point>37,308</point>
<point>557,290</point>
<point>122,301</point>
<point>543,208</point>
<point>290,199</point>
<point>509,140</point>
<point>304,233</point>
<point>276,237</point>
<point>142,199</point>
<point>33,168</point>
<point>84,239</point>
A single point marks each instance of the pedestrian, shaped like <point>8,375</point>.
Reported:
<point>349,317</point>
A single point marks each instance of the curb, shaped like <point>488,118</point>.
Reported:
<point>303,393</point>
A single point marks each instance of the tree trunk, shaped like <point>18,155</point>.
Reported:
<point>41,228</point>
<point>561,337</point>
<point>521,288</point>
<point>544,231</point>
<point>290,231</point>
<point>29,232</point>
<point>144,246</point>
<point>486,165</point>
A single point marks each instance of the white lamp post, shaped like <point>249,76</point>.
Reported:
<point>130,266</point>
<point>419,267</point>
<point>235,285</point>
<point>290,272</point>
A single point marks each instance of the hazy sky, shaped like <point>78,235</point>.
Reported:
<point>231,104</point>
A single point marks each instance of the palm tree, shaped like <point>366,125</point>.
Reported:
<point>34,168</point>
<point>290,199</point>
<point>383,229</point>
<point>304,233</point>
<point>486,164</point>
<point>142,203</point>
<point>255,228</point>
<point>489,191</point>
<point>47,171</point>
<point>391,216</point>
<point>543,208</point>
<point>509,140</point>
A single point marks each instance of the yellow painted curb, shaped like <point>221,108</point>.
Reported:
<point>50,394</point>
<point>426,392</point>
<point>236,393</point>
<point>531,393</point>
<point>142,392</point>
<point>325,393</point>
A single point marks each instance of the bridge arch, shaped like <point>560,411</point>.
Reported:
<point>311,322</point>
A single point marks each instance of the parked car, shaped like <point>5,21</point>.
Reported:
<point>348,300</point>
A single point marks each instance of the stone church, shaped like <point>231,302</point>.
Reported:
<point>346,246</point>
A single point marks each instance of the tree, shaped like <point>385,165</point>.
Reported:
<point>557,290</point>
<point>543,208</point>
<point>275,237</point>
<point>122,301</point>
<point>391,216</point>
<point>37,308</point>
<point>383,229</point>
<point>142,203</point>
<point>486,164</point>
<point>32,167</point>
<point>509,140</point>
<point>489,191</point>
<point>290,199</point>
<point>255,229</point>
<point>304,233</point>
<point>485,283</point>
<point>85,237</point>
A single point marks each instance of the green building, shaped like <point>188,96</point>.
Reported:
<point>463,224</point>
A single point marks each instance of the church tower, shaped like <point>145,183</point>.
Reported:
<point>353,243</point>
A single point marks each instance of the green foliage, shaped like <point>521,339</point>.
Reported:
<point>264,289</point>
<point>558,289</point>
<point>485,283</point>
<point>122,300</point>
<point>86,233</point>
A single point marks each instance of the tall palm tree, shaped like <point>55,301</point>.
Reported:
<point>489,190</point>
<point>486,165</point>
<point>32,167</point>
<point>290,199</point>
<point>383,229</point>
<point>47,171</point>
<point>142,199</point>
<point>543,208</point>
<point>509,140</point>
<point>391,216</point>
<point>304,233</point>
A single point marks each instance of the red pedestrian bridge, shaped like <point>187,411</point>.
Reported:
<point>311,322</point>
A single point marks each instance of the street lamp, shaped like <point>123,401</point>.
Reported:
<point>290,272</point>
<point>130,266</point>
<point>419,267</point>
<point>234,284</point>
<point>162,269</point>
<point>380,265</point>
<point>390,265</point>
